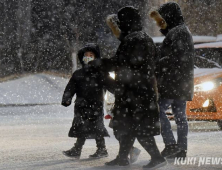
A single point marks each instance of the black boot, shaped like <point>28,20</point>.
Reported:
<point>113,162</point>
<point>118,162</point>
<point>124,162</point>
<point>156,163</point>
<point>73,152</point>
<point>180,155</point>
<point>157,160</point>
<point>170,150</point>
<point>100,153</point>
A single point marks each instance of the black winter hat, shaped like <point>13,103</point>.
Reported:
<point>93,47</point>
<point>129,19</point>
<point>172,14</point>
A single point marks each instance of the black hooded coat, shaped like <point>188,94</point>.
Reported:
<point>89,85</point>
<point>136,110</point>
<point>176,64</point>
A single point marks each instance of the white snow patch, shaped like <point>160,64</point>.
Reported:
<point>209,45</point>
<point>196,39</point>
<point>219,37</point>
<point>202,39</point>
<point>33,89</point>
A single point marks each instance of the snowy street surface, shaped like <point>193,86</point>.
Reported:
<point>34,136</point>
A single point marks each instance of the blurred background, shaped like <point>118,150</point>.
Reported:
<point>44,35</point>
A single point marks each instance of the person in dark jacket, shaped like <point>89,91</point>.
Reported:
<point>175,76</point>
<point>111,21</point>
<point>136,113</point>
<point>88,84</point>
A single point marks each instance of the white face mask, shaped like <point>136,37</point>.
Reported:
<point>87,59</point>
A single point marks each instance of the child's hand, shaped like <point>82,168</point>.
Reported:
<point>66,103</point>
<point>66,99</point>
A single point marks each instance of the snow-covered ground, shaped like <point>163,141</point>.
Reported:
<point>33,137</point>
<point>32,89</point>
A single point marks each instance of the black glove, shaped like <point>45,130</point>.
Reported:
<point>66,103</point>
<point>95,63</point>
<point>66,99</point>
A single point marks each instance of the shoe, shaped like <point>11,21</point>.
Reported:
<point>155,163</point>
<point>124,162</point>
<point>72,153</point>
<point>180,155</point>
<point>100,153</point>
<point>114,162</point>
<point>170,150</point>
<point>134,154</point>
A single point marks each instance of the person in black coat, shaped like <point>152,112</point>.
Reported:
<point>88,84</point>
<point>136,113</point>
<point>175,76</point>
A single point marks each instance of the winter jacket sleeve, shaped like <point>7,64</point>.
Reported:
<point>70,91</point>
<point>178,48</point>
<point>104,64</point>
<point>181,49</point>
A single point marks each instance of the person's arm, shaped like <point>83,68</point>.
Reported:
<point>110,64</point>
<point>105,64</point>
<point>179,48</point>
<point>69,92</point>
<point>172,59</point>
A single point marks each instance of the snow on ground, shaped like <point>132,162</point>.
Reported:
<point>33,89</point>
<point>33,137</point>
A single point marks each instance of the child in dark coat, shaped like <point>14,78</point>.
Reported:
<point>89,85</point>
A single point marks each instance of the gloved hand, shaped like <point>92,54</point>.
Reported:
<point>66,99</point>
<point>66,103</point>
<point>95,63</point>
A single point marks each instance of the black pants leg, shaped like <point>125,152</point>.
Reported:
<point>126,142</point>
<point>100,143</point>
<point>149,144</point>
<point>79,143</point>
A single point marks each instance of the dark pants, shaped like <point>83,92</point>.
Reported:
<point>124,129</point>
<point>179,112</point>
<point>148,143</point>
<point>100,143</point>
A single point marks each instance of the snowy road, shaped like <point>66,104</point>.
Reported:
<point>33,138</point>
